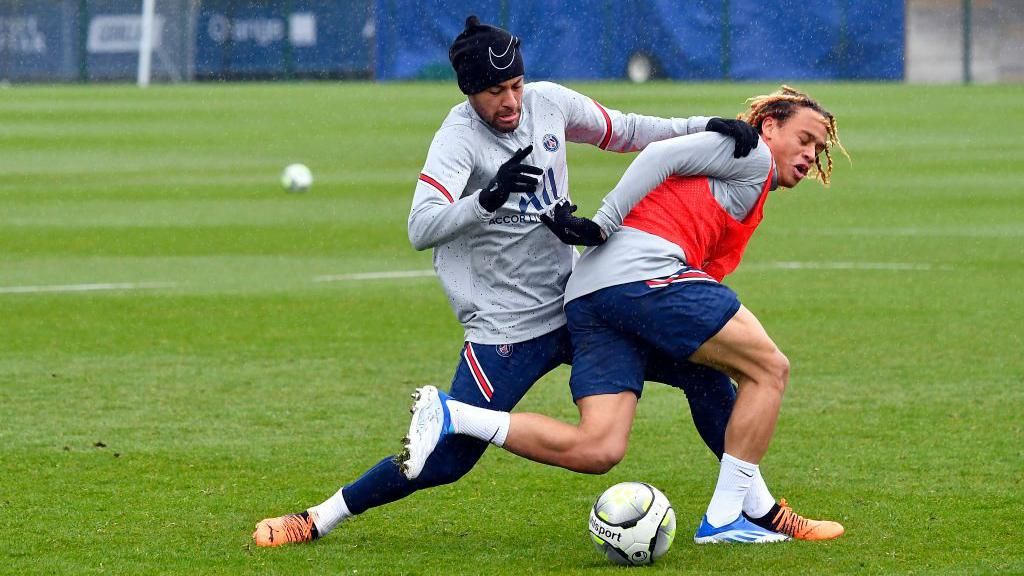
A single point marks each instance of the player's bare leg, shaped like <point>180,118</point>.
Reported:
<point>594,446</point>
<point>743,350</point>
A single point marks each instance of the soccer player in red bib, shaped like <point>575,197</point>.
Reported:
<point>676,224</point>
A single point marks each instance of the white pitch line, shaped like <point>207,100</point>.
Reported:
<point>1013,231</point>
<point>375,275</point>
<point>399,274</point>
<point>86,287</point>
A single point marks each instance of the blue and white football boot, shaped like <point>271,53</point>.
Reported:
<point>740,530</point>
<point>431,422</point>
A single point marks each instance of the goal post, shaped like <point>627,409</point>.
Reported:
<point>146,43</point>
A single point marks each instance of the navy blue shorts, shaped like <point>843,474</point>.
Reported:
<point>498,376</point>
<point>621,333</point>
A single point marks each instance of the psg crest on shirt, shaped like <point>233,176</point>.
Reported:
<point>550,142</point>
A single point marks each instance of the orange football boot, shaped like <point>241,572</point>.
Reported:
<point>799,528</point>
<point>288,529</point>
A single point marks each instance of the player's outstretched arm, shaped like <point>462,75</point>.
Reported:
<point>588,122</point>
<point>703,154</point>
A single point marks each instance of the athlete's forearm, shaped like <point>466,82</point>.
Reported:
<point>432,223</point>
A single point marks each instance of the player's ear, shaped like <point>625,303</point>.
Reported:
<point>769,126</point>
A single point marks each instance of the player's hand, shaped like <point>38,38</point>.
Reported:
<point>571,229</point>
<point>512,176</point>
<point>744,134</point>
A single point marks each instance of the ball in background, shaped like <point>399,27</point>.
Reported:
<point>296,178</point>
<point>632,524</point>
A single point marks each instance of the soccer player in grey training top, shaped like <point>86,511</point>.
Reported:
<point>494,169</point>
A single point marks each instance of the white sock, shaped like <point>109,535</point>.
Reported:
<point>734,480</point>
<point>487,425</point>
<point>759,500</point>
<point>332,512</point>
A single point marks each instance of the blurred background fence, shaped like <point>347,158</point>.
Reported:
<point>913,40</point>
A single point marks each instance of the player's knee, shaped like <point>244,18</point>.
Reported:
<point>608,460</point>
<point>603,457</point>
<point>602,437</point>
<point>777,369</point>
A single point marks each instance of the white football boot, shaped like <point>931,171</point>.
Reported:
<point>431,422</point>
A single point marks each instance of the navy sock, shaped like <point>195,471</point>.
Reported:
<point>711,406</point>
<point>385,483</point>
<point>382,484</point>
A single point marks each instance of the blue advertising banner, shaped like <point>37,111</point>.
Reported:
<point>838,39</point>
<point>112,30</point>
<point>409,39</point>
<point>874,39</point>
<point>281,38</point>
<point>694,40</point>
<point>339,38</point>
<point>37,41</point>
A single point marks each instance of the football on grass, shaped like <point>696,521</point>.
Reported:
<point>632,524</point>
<point>296,178</point>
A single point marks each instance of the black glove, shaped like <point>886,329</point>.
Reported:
<point>744,134</point>
<point>512,176</point>
<point>571,229</point>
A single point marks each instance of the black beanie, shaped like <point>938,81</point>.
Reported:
<point>483,56</point>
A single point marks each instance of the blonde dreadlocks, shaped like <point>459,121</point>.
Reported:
<point>780,105</point>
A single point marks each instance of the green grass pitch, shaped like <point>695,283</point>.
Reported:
<point>145,430</point>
